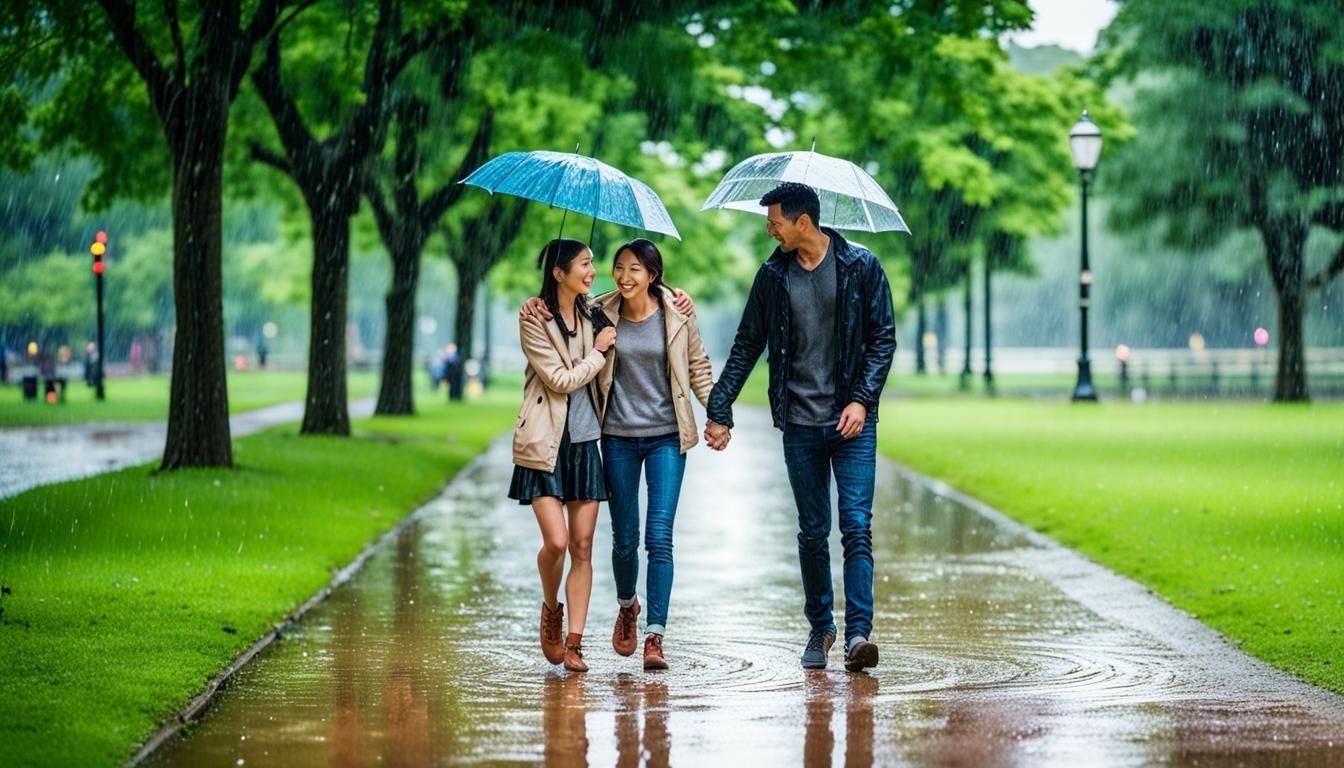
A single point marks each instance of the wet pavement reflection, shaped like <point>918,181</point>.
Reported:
<point>33,456</point>
<point>998,648</point>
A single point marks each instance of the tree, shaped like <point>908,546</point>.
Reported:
<point>190,73</point>
<point>1240,110</point>
<point>405,223</point>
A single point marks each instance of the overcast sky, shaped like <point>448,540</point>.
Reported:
<point>1070,23</point>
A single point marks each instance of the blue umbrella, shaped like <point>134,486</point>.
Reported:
<point>576,183</point>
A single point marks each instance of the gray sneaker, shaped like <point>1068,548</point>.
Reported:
<point>862,656</point>
<point>818,645</point>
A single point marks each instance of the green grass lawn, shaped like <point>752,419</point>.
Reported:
<point>1233,512</point>
<point>145,398</point>
<point>124,593</point>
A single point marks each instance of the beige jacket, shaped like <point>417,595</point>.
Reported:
<point>688,368</point>
<point>556,366</point>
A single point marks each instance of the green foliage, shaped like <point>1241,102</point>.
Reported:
<point>1239,103</point>
<point>43,291</point>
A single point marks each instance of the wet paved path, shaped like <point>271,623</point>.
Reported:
<point>998,648</point>
<point>33,456</point>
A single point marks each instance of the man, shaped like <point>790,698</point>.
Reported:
<point>822,306</point>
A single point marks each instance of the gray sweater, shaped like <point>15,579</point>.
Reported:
<point>641,396</point>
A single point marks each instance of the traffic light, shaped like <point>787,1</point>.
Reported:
<point>98,248</point>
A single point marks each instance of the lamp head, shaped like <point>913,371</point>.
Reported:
<point>1085,143</point>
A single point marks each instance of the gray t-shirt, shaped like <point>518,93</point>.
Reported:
<point>582,420</point>
<point>641,397</point>
<point>812,364</point>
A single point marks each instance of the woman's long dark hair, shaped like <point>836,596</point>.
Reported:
<point>560,252</point>
<point>647,254</point>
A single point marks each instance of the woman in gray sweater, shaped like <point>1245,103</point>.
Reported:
<point>648,425</point>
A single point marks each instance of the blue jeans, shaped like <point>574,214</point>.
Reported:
<point>812,454</point>
<point>664,465</point>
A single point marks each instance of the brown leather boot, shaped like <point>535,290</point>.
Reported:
<point>553,632</point>
<point>574,653</point>
<point>625,637</point>
<point>653,652</point>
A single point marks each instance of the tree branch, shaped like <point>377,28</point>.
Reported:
<point>262,27</point>
<point>294,134</point>
<point>382,215</point>
<point>263,21</point>
<point>175,27</point>
<point>121,16</point>
<point>263,155</point>
<point>1330,215</point>
<point>1323,278</point>
<point>447,195</point>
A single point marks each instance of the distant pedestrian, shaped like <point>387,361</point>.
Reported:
<point>558,467</point>
<point>452,371</point>
<point>823,307</point>
<point>262,351</point>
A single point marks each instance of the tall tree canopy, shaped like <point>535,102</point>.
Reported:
<point>1240,110</point>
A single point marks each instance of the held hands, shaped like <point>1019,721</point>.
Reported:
<point>851,420</point>
<point>606,339</point>
<point>717,435</point>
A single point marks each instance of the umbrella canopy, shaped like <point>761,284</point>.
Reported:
<point>575,183</point>
<point>850,199</point>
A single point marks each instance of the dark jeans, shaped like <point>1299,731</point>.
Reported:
<point>812,454</point>
<point>664,465</point>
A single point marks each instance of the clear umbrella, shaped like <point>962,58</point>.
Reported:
<point>850,198</point>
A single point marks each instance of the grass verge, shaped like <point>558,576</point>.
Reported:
<point>145,398</point>
<point>124,593</point>
<point>1232,512</point>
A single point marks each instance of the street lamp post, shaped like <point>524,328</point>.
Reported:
<point>1085,144</point>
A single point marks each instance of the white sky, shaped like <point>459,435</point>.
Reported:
<point>1069,23</point>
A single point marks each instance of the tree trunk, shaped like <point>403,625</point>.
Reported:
<point>198,404</point>
<point>989,336</point>
<point>966,308</point>
<point>940,333</point>
<point>1284,252</point>
<point>395,396</point>
<point>921,327</point>
<point>326,411</point>
<point>468,280</point>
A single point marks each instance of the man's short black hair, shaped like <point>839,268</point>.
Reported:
<point>794,200</point>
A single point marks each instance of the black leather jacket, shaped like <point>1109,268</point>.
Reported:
<point>865,334</point>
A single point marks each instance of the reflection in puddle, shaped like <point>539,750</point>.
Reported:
<point>989,657</point>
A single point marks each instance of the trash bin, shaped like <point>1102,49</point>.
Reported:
<point>29,388</point>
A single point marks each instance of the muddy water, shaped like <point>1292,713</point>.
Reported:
<point>998,648</point>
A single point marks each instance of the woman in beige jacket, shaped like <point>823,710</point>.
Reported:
<point>557,465</point>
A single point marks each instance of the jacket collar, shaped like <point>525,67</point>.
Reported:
<point>561,342</point>
<point>844,253</point>
<point>610,304</point>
